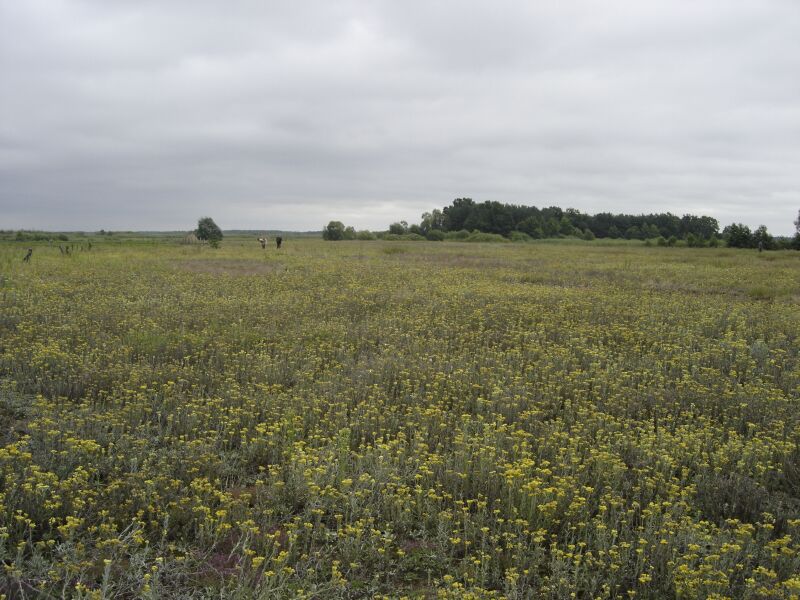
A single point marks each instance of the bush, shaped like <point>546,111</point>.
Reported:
<point>435,235</point>
<point>407,237</point>
<point>35,236</point>
<point>672,241</point>
<point>661,241</point>
<point>400,228</point>
<point>520,236</point>
<point>461,234</point>
<point>365,235</point>
<point>478,236</point>
<point>695,241</point>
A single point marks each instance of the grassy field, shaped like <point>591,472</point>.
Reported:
<point>362,419</point>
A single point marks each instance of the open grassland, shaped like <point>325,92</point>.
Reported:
<point>353,419</point>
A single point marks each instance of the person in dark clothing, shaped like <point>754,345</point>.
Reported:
<point>278,241</point>
<point>28,255</point>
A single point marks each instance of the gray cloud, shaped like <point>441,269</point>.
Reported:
<point>146,115</point>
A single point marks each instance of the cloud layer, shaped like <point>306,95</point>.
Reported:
<point>149,114</point>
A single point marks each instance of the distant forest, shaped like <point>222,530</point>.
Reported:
<point>503,219</point>
<point>519,223</point>
<point>487,221</point>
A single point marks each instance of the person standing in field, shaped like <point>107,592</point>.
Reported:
<point>278,241</point>
<point>28,255</point>
<point>263,241</point>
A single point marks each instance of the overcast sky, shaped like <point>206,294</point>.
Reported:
<point>148,114</point>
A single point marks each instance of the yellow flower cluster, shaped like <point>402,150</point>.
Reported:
<point>438,421</point>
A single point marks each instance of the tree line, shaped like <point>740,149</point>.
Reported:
<point>553,221</point>
<point>521,222</point>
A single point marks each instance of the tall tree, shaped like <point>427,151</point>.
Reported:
<point>738,236</point>
<point>333,231</point>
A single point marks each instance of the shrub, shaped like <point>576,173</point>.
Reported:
<point>398,228</point>
<point>478,236</point>
<point>461,234</point>
<point>435,235</point>
<point>695,241</point>
<point>365,235</point>
<point>520,236</point>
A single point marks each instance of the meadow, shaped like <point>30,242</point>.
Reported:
<point>395,419</point>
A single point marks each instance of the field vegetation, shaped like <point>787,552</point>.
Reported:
<point>382,419</point>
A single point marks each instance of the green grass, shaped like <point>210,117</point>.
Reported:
<point>365,419</point>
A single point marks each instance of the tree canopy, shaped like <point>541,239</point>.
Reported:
<point>208,231</point>
<point>503,219</point>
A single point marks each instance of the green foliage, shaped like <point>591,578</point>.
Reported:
<point>738,235</point>
<point>459,235</point>
<point>520,236</point>
<point>551,222</point>
<point>435,235</point>
<point>407,237</point>
<point>634,233</point>
<point>365,235</point>
<point>208,231</point>
<point>334,231</point>
<point>38,236</point>
<point>694,241</point>
<point>762,239</point>
<point>400,228</point>
<point>479,236</point>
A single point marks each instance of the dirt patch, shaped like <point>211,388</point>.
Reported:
<point>225,266</point>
